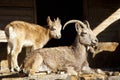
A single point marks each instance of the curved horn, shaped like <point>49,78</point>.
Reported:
<point>87,23</point>
<point>74,21</point>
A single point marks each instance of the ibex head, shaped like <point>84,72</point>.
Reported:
<point>84,32</point>
<point>55,27</point>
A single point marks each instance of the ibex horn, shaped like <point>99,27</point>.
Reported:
<point>87,23</point>
<point>74,21</point>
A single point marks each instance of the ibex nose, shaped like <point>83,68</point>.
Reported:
<point>95,42</point>
<point>58,36</point>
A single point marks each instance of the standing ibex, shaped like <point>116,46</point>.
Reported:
<point>32,36</point>
<point>63,58</point>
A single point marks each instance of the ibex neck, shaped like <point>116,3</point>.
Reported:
<point>79,49</point>
<point>46,36</point>
<point>80,53</point>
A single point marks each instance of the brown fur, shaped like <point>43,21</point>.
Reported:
<point>32,36</point>
<point>69,58</point>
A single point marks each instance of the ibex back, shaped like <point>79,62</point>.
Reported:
<point>23,34</point>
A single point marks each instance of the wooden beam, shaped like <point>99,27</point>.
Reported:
<point>2,36</point>
<point>111,19</point>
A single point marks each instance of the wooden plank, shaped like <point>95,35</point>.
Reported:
<point>16,11</point>
<point>2,36</point>
<point>17,3</point>
<point>6,19</point>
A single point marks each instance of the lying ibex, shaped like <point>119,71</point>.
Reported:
<point>66,57</point>
<point>32,36</point>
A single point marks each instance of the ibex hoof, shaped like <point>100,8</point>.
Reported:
<point>12,70</point>
<point>17,69</point>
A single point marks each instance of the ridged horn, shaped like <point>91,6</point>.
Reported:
<point>74,21</point>
<point>87,23</point>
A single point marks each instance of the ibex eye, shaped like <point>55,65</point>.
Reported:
<point>83,33</point>
<point>53,29</point>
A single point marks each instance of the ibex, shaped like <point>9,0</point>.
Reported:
<point>21,34</point>
<point>64,57</point>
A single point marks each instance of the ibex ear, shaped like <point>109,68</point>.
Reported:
<point>78,27</point>
<point>49,21</point>
<point>58,20</point>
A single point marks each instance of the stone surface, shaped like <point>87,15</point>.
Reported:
<point>38,76</point>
